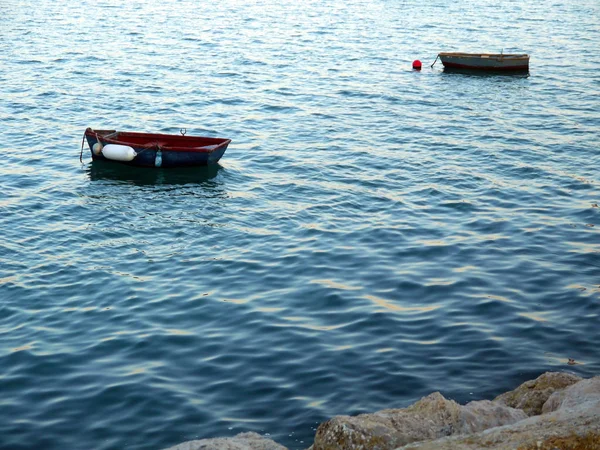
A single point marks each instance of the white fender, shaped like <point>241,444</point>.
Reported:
<point>118,152</point>
<point>97,148</point>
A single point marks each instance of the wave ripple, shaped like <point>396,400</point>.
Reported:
<point>372,234</point>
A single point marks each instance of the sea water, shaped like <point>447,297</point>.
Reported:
<point>371,235</point>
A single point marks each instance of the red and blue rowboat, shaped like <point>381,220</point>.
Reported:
<point>155,150</point>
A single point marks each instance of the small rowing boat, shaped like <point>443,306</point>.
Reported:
<point>485,61</point>
<point>155,150</point>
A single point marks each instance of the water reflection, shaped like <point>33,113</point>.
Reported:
<point>140,176</point>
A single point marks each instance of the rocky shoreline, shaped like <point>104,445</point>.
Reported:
<point>555,411</point>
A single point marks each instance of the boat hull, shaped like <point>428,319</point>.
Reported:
<point>486,62</point>
<point>160,150</point>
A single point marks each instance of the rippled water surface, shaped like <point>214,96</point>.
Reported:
<point>372,234</point>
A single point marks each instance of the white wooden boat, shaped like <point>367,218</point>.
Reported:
<point>485,61</point>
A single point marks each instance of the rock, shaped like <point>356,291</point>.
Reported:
<point>560,411</point>
<point>574,396</point>
<point>484,414</point>
<point>573,424</point>
<point>431,417</point>
<point>243,441</point>
<point>531,395</point>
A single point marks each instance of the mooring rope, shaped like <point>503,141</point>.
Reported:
<point>436,58</point>
<point>81,153</point>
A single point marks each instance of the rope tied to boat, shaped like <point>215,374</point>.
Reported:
<point>81,153</point>
<point>436,58</point>
<point>150,146</point>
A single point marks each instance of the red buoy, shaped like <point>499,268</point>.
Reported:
<point>417,64</point>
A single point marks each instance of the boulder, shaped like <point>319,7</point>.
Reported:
<point>560,411</point>
<point>572,422</point>
<point>531,395</point>
<point>242,441</point>
<point>431,417</point>
<point>576,395</point>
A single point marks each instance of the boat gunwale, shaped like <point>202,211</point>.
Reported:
<point>104,136</point>
<point>477,56</point>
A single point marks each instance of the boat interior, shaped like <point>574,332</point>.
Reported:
<point>151,140</point>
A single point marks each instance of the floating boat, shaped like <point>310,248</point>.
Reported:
<point>485,61</point>
<point>155,150</point>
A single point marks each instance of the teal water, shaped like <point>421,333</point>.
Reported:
<point>371,235</point>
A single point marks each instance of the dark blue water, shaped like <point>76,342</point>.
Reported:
<point>371,235</point>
